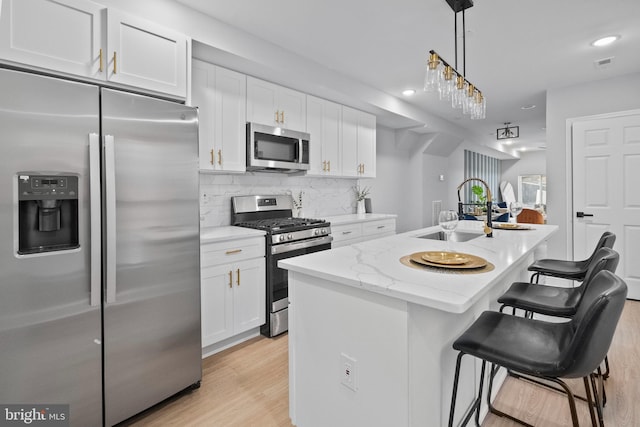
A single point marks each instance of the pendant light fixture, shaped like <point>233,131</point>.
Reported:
<point>450,83</point>
<point>508,131</point>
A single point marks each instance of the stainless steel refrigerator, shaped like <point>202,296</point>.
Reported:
<point>99,248</point>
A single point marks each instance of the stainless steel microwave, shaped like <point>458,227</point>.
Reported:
<point>274,149</point>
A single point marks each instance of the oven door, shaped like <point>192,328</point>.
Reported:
<point>277,281</point>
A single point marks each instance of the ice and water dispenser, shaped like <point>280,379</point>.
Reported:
<point>47,213</point>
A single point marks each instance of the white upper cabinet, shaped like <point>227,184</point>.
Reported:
<point>62,35</point>
<point>323,124</point>
<point>143,54</point>
<point>358,143</point>
<point>271,104</point>
<point>220,95</point>
<point>68,36</point>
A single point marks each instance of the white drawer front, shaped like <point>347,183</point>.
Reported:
<point>346,232</point>
<point>212,254</point>
<point>379,227</point>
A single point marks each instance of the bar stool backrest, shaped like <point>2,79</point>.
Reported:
<point>606,241</point>
<point>593,325</point>
<point>604,259</point>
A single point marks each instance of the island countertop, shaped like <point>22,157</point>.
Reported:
<point>375,265</point>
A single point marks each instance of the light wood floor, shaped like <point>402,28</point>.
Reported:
<point>248,386</point>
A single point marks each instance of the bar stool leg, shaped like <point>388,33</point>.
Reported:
<point>587,388</point>
<point>455,389</point>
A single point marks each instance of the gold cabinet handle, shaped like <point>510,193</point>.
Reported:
<point>238,273</point>
<point>324,165</point>
<point>328,165</point>
<point>363,168</point>
<point>220,157</point>
<point>277,117</point>
<point>360,168</point>
<point>100,69</point>
<point>233,251</point>
<point>114,63</point>
<point>230,279</point>
<point>213,157</point>
<point>281,116</point>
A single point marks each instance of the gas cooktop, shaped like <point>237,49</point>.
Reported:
<point>283,224</point>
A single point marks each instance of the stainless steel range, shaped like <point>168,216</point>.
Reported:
<point>286,237</point>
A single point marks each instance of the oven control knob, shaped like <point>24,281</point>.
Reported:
<point>282,238</point>
<point>290,237</point>
<point>323,230</point>
<point>316,232</point>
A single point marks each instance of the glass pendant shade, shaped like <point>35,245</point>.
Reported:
<point>447,83</point>
<point>432,76</point>
<point>458,92</point>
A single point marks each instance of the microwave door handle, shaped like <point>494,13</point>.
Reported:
<point>300,150</point>
<point>95,220</point>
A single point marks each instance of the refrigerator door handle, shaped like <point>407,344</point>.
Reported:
<point>95,218</point>
<point>110,211</point>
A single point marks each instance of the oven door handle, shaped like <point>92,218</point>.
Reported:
<point>309,243</point>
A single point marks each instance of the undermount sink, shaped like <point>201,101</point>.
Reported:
<point>456,236</point>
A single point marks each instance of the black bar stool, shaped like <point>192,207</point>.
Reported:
<point>557,301</point>
<point>565,269</point>
<point>554,300</point>
<point>547,350</point>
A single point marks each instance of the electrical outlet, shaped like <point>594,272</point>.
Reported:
<point>349,372</point>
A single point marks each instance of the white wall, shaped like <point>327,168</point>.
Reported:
<point>600,97</point>
<point>389,191</point>
<point>530,163</point>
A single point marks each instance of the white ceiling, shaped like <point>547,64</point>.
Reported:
<point>515,50</point>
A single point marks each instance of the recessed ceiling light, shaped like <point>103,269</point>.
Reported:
<point>604,41</point>
<point>409,92</point>
<point>528,107</point>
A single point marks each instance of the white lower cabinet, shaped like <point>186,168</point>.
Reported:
<point>355,232</point>
<point>232,292</point>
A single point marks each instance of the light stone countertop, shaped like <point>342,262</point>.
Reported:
<point>354,218</point>
<point>225,233</point>
<point>375,265</point>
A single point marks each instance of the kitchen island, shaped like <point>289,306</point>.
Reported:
<point>370,337</point>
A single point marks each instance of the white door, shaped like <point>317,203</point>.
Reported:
<point>217,303</point>
<point>350,165</point>
<point>230,120</point>
<point>606,172</point>
<point>249,295</point>
<point>367,144</point>
<point>261,102</point>
<point>146,55</point>
<point>293,109</point>
<point>62,35</point>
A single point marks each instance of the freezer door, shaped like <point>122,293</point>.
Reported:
<point>152,307</point>
<point>50,332</point>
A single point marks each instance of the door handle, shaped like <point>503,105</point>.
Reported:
<point>110,199</point>
<point>95,218</point>
<point>582,214</point>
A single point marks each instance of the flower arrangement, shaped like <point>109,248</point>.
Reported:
<point>297,203</point>
<point>361,193</point>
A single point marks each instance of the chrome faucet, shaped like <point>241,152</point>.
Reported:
<point>488,230</point>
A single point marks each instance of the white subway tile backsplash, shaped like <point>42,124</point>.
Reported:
<point>322,196</point>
